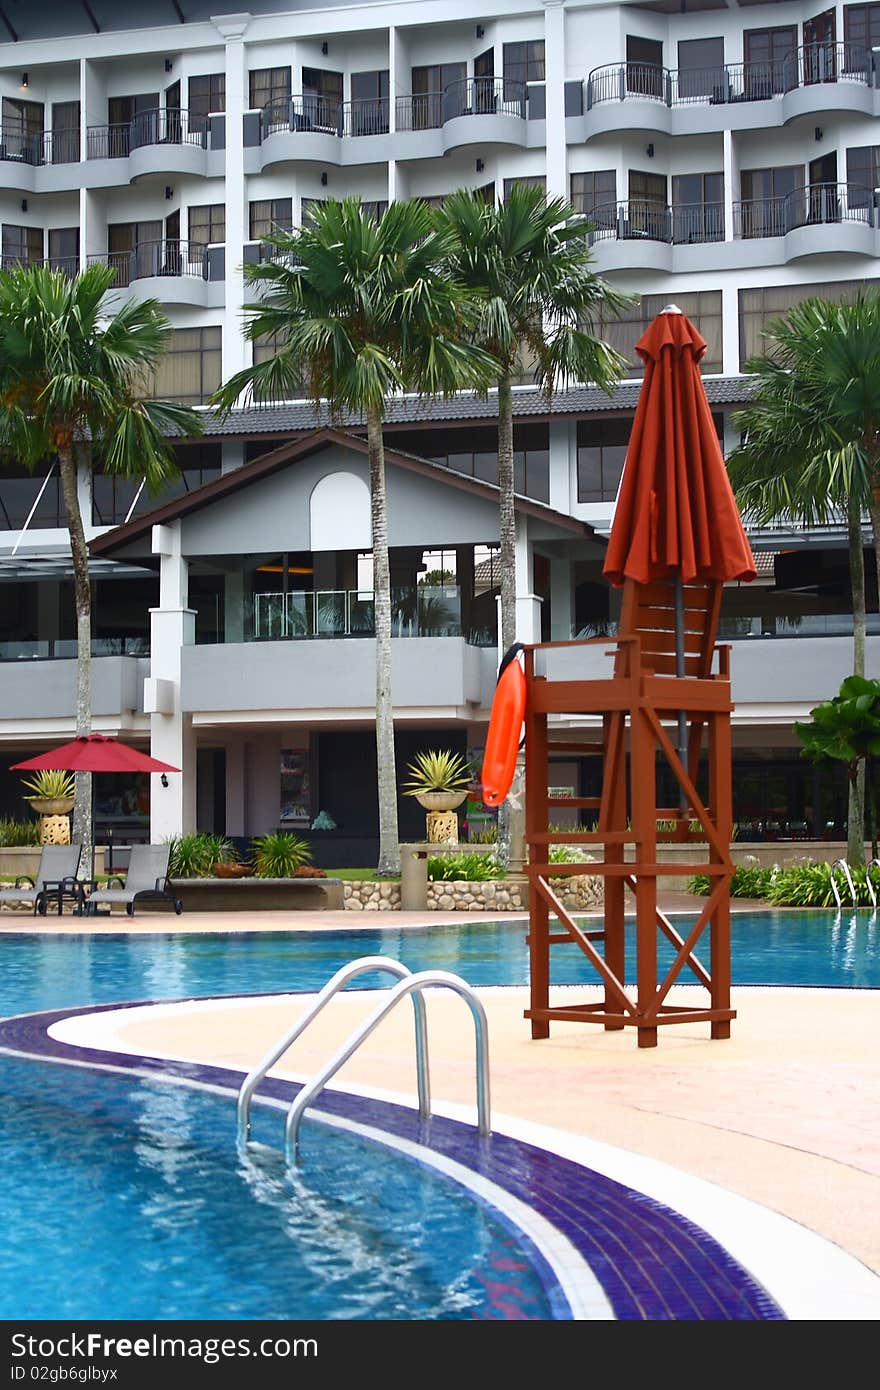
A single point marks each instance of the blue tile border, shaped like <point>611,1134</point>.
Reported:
<point>652,1263</point>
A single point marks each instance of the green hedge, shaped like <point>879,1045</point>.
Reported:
<point>802,885</point>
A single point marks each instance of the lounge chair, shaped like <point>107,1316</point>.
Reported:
<point>59,865</point>
<point>147,877</point>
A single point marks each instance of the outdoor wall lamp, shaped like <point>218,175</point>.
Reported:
<point>480,31</point>
<point>324,179</point>
<point>164,779</point>
<point>24,81</point>
<point>650,151</point>
<point>169,191</point>
<point>168,65</point>
<point>325,48</point>
<point>480,166</point>
<point>818,132</point>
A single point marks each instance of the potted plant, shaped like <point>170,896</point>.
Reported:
<point>438,779</point>
<point>52,791</point>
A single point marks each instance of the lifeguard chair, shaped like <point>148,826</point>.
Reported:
<point>651,684</point>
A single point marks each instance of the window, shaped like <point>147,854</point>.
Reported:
<point>207,93</point>
<point>862,174</point>
<point>134,250</point>
<point>23,129</point>
<point>601,450</point>
<point>595,195</point>
<point>644,66</point>
<point>375,208</point>
<point>523,62</point>
<point>475,452</point>
<point>701,69</point>
<point>369,102</point>
<point>269,87</point>
<point>703,308</point>
<point>189,370</point>
<point>766,207</point>
<point>758,306</point>
<point>697,207</point>
<point>321,99</point>
<point>770,61</point>
<point>647,213</point>
<point>439,93</point>
<point>22,245</point>
<point>65,132</point>
<point>524,181</point>
<point>861,25</point>
<point>113,495</point>
<point>207,224</point>
<point>305,209</point>
<point>270,214</point>
<point>64,249</point>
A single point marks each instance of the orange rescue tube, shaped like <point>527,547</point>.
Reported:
<point>505,730</point>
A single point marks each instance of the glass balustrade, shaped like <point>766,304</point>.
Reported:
<point>421,611</point>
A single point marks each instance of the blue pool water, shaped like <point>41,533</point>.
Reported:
<point>125,1199</point>
<point>49,970</point>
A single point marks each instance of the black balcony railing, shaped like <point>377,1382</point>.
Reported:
<point>169,256</point>
<point>638,219</point>
<point>163,126</point>
<point>475,96</point>
<point>68,265</point>
<point>20,146</point>
<point>813,205</point>
<point>731,82</point>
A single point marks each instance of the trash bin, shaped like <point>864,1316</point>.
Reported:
<point>413,878</point>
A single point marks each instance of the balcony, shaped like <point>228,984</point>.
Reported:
<point>478,110</point>
<point>813,78</point>
<point>818,219</point>
<point>178,270</point>
<point>43,162</point>
<point>424,611</point>
<point>68,265</point>
<point>656,228</point>
<point>313,127</point>
<point>160,142</point>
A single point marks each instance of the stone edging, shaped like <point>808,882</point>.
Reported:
<point>459,895</point>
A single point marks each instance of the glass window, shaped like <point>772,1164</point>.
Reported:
<point>644,66</point>
<point>770,61</point>
<point>22,245</point>
<point>862,174</point>
<point>697,207</point>
<point>595,195</point>
<point>700,67</point>
<point>269,87</point>
<point>64,249</point>
<point>369,102</point>
<point>766,205</point>
<point>23,123</point>
<point>523,62</point>
<point>268,214</point>
<point>474,451</point>
<point>601,450</point>
<point>758,306</point>
<point>189,370</point>
<point>207,224</point>
<point>207,93</point>
<point>524,181</point>
<point>861,25</point>
<point>702,307</point>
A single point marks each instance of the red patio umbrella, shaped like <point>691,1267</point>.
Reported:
<point>676,515</point>
<point>95,753</point>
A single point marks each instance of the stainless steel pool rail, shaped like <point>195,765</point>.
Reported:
<point>842,864</point>
<point>872,892</point>
<point>413,986</point>
<point>362,966</point>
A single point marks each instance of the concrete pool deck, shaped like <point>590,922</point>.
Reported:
<point>786,1113</point>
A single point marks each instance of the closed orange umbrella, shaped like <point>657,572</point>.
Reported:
<point>676,514</point>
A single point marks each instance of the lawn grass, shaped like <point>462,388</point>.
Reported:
<point>360,875</point>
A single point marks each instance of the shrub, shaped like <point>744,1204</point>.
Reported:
<point>19,832</point>
<point>195,854</point>
<point>50,782</point>
<point>279,854</point>
<point>472,868</point>
<point>437,770</point>
<point>809,885</point>
<point>747,882</point>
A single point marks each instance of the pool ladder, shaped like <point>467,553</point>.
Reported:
<point>408,984</point>
<point>872,892</point>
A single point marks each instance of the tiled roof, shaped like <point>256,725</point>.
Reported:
<point>527,401</point>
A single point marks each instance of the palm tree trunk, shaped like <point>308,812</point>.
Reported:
<point>82,811</point>
<point>855,834</point>
<point>389,840</point>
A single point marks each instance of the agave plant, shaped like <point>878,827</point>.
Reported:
<point>279,854</point>
<point>437,770</point>
<point>50,782</point>
<point>195,854</point>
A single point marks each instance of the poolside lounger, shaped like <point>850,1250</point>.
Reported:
<point>147,877</point>
<point>59,865</point>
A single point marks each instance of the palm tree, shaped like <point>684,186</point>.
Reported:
<point>72,377</point>
<point>529,263</point>
<point>810,450</point>
<point>359,310</point>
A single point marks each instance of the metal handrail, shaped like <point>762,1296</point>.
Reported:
<point>414,986</point>
<point>348,972</point>
<point>842,864</point>
<point>872,892</point>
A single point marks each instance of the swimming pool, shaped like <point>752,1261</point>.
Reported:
<point>47,970</point>
<point>137,1142</point>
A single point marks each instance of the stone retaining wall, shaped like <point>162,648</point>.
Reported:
<point>457,895</point>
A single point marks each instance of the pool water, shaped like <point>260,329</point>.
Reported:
<point>125,1199</point>
<point>47,970</point>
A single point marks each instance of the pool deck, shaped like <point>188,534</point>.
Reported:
<point>785,1114</point>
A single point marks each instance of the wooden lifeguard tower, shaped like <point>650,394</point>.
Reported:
<point>638,700</point>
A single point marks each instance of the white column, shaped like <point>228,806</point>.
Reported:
<point>231,455</point>
<point>236,802</point>
<point>235,351</point>
<point>561,494</point>
<point>730,330</point>
<point>731,183</point>
<point>528,604</point>
<point>554,95</point>
<point>172,738</point>
<point>561,601</point>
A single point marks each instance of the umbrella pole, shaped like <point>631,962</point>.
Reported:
<point>680,671</point>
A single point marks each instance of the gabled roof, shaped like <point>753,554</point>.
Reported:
<point>294,452</point>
